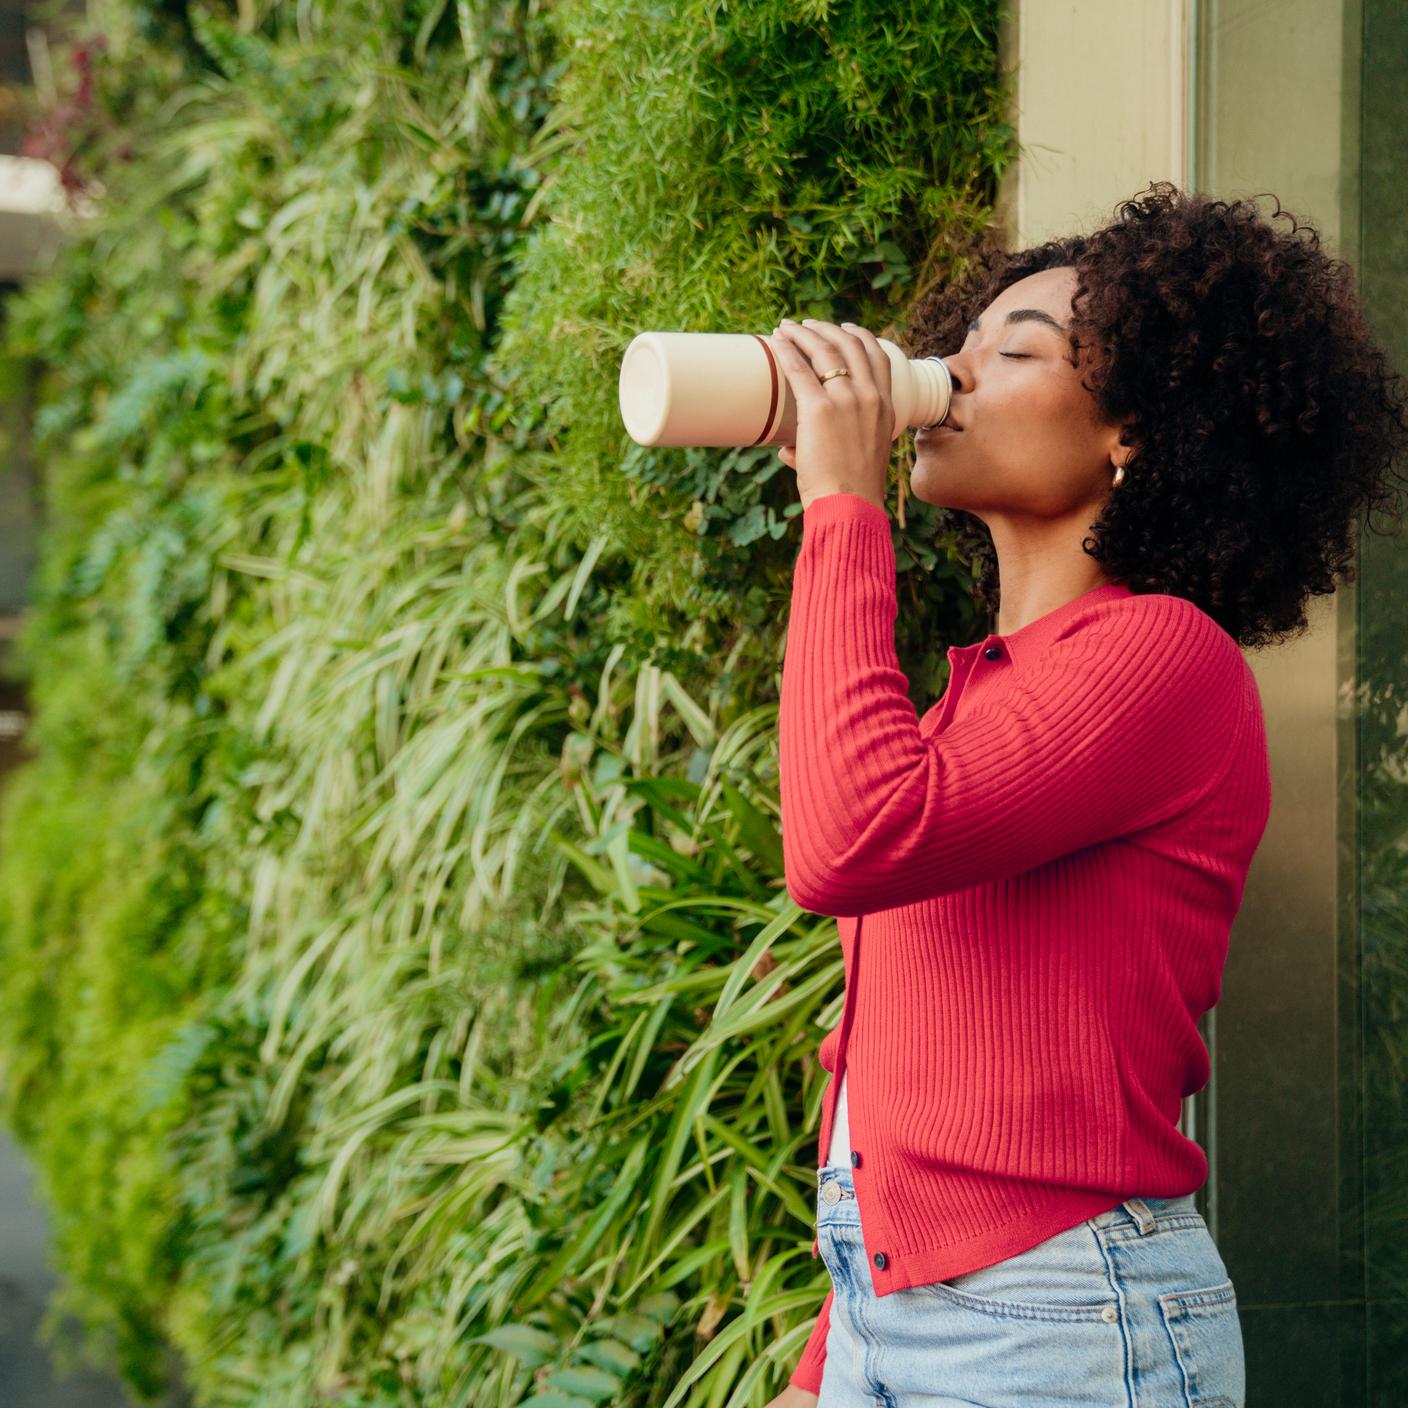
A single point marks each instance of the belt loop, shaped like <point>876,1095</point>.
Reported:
<point>1138,1209</point>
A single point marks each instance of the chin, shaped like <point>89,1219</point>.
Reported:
<point>926,485</point>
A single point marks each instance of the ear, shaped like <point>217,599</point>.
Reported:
<point>1119,442</point>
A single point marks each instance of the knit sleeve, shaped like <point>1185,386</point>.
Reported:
<point>1120,724</point>
<point>807,1374</point>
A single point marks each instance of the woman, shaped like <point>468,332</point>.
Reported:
<point>1168,431</point>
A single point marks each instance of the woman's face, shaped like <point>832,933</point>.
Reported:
<point>1027,441</point>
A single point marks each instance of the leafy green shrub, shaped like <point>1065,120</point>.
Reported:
<point>403,1003</point>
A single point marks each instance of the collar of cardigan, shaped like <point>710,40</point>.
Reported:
<point>1027,643</point>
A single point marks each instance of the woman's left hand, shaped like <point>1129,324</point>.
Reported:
<point>844,424</point>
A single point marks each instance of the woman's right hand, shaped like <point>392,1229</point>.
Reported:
<point>794,1397</point>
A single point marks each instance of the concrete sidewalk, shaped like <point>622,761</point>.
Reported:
<point>27,1378</point>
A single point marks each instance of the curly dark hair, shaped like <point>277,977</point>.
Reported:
<point>1267,421</point>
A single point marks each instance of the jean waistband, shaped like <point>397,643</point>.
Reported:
<point>836,1203</point>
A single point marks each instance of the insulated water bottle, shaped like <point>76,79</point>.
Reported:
<point>724,388</point>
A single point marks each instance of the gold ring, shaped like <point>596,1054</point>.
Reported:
<point>835,371</point>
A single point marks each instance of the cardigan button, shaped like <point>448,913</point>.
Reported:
<point>855,1158</point>
<point>993,652</point>
<point>881,1260</point>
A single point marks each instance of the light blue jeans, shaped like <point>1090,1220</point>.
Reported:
<point>1131,1308</point>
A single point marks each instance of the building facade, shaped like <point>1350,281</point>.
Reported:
<point>1305,1118</point>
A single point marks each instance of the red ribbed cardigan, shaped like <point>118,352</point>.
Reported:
<point>1048,864</point>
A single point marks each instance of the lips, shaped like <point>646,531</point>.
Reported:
<point>947,423</point>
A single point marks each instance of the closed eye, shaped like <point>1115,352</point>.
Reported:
<point>1014,354</point>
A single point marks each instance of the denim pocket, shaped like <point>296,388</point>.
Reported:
<point>1207,1341</point>
<point>1063,1278</point>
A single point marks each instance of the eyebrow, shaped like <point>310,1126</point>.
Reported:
<point>1024,315</point>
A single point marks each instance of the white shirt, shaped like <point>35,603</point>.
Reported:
<point>840,1152</point>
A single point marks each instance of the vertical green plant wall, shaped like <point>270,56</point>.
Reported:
<point>402,1002</point>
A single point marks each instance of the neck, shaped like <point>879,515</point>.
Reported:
<point>1027,599</point>
<point>1041,565</point>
